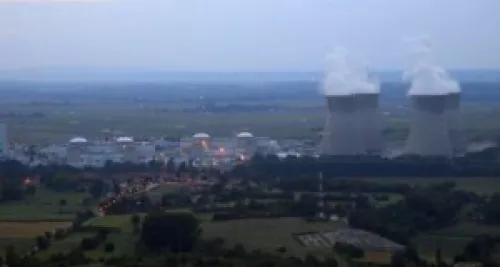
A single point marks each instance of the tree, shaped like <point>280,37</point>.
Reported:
<point>170,165</point>
<point>12,174</point>
<point>62,181</point>
<point>109,247</point>
<point>48,235</point>
<point>97,189</point>
<point>136,220</point>
<point>42,242</point>
<point>30,190</point>
<point>182,167</point>
<point>438,257</point>
<point>175,231</point>
<point>12,259</point>
<point>62,203</point>
<point>398,260</point>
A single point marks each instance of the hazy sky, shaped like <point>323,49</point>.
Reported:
<point>240,35</point>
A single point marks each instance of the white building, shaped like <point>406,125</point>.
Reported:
<point>82,153</point>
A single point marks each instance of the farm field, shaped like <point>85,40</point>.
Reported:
<point>28,229</point>
<point>376,257</point>
<point>268,234</point>
<point>43,206</point>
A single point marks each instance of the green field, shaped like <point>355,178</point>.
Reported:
<point>469,229</point>
<point>62,121</point>
<point>89,119</point>
<point>65,245</point>
<point>111,221</point>
<point>43,206</point>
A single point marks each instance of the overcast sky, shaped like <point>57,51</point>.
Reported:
<point>242,35</point>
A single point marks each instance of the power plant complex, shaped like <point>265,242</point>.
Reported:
<point>353,125</point>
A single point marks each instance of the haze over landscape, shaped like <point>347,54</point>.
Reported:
<point>255,133</point>
<point>43,39</point>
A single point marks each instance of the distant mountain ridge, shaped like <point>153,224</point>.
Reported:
<point>133,75</point>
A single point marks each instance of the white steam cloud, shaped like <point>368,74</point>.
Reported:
<point>426,76</point>
<point>347,75</point>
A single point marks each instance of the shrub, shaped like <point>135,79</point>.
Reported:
<point>109,247</point>
<point>42,243</point>
<point>60,233</point>
<point>350,250</point>
<point>48,235</point>
<point>90,243</point>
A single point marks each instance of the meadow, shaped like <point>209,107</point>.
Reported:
<point>43,206</point>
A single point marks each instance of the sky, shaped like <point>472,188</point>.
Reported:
<point>243,35</point>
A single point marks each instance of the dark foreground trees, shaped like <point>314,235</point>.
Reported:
<point>173,231</point>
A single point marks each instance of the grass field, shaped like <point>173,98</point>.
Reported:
<point>112,221</point>
<point>44,205</point>
<point>65,245</point>
<point>469,229</point>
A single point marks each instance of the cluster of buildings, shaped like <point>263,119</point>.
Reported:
<point>200,149</point>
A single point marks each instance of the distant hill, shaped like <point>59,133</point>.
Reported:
<point>132,75</point>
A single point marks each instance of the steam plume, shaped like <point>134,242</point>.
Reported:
<point>347,75</point>
<point>426,76</point>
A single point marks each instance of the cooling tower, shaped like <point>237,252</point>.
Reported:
<point>452,115</point>
<point>429,134</point>
<point>340,135</point>
<point>368,123</point>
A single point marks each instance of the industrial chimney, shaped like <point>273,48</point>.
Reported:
<point>340,135</point>
<point>435,98</point>
<point>452,116</point>
<point>352,126</point>
<point>368,121</point>
<point>429,133</point>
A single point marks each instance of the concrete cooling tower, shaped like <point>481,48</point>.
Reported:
<point>452,115</point>
<point>368,123</point>
<point>429,132</point>
<point>341,135</point>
